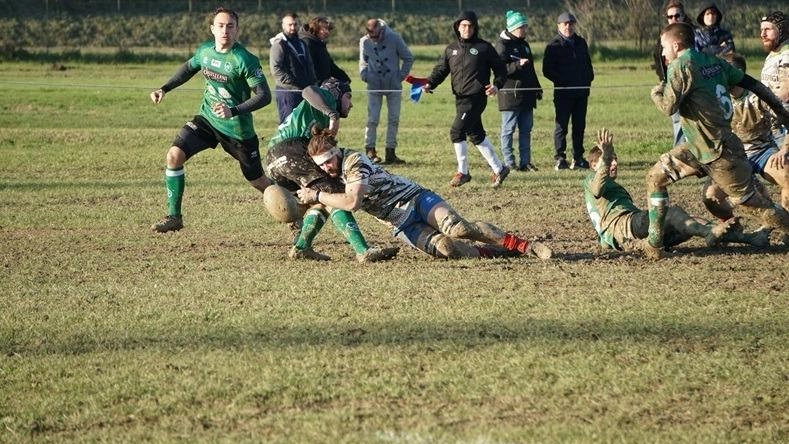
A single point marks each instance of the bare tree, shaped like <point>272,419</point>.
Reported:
<point>640,23</point>
<point>587,12</point>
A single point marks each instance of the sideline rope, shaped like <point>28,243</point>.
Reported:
<point>441,91</point>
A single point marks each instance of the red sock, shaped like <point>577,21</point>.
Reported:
<point>514,243</point>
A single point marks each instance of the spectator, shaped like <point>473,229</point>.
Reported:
<point>384,62</point>
<point>568,65</point>
<point>675,13</point>
<point>315,34</point>
<point>470,60</point>
<point>710,38</point>
<point>290,65</point>
<point>521,92</point>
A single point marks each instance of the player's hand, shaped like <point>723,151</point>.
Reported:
<point>605,140</point>
<point>491,90</point>
<point>658,89</point>
<point>157,96</point>
<point>307,196</point>
<point>222,110</point>
<point>427,88</point>
<point>334,124</point>
<point>779,160</point>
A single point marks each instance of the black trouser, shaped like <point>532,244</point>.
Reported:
<point>468,120</point>
<point>569,104</point>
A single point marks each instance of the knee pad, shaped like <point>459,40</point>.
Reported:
<point>455,226</point>
<point>445,247</point>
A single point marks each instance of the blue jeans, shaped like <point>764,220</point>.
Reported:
<point>523,120</point>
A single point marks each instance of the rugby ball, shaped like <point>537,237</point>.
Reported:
<point>282,204</point>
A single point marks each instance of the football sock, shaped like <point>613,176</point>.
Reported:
<point>489,153</point>
<point>658,206</point>
<point>313,222</point>
<point>346,224</point>
<point>514,243</point>
<point>461,153</point>
<point>174,181</point>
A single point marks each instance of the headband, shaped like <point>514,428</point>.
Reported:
<point>325,156</point>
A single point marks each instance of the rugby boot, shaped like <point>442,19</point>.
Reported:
<point>308,254</point>
<point>169,223</point>
<point>377,254</point>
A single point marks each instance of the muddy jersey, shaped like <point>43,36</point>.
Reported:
<point>606,202</point>
<point>229,79</point>
<point>752,123</point>
<point>697,85</point>
<point>775,73</point>
<point>386,192</point>
<point>300,122</point>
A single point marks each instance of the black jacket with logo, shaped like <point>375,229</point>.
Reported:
<point>470,62</point>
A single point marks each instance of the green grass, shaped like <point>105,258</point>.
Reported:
<point>111,333</point>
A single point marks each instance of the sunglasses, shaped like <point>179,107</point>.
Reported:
<point>675,16</point>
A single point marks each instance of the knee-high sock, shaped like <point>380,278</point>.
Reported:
<point>461,153</point>
<point>658,207</point>
<point>489,153</point>
<point>346,224</point>
<point>174,181</point>
<point>313,222</point>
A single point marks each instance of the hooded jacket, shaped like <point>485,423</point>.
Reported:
<point>713,39</point>
<point>290,63</point>
<point>469,61</point>
<point>510,50</point>
<point>322,62</point>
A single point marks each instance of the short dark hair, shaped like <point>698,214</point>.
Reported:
<point>680,32</point>
<point>221,10</point>
<point>674,4</point>
<point>594,154</point>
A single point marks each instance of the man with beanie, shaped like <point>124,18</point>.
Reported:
<point>710,37</point>
<point>384,62</point>
<point>470,60</point>
<point>568,65</point>
<point>521,92</point>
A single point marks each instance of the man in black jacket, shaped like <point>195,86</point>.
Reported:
<point>291,66</point>
<point>567,64</point>
<point>521,92</point>
<point>470,60</point>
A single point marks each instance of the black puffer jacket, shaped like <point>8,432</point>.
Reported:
<point>510,49</point>
<point>713,39</point>
<point>321,59</point>
<point>567,63</point>
<point>469,61</point>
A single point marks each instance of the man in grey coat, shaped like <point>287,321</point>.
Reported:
<point>384,62</point>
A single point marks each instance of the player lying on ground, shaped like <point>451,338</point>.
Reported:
<point>419,217</point>
<point>617,220</point>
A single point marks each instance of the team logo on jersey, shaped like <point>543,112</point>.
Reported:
<point>215,76</point>
<point>216,63</point>
<point>473,51</point>
<point>228,66</point>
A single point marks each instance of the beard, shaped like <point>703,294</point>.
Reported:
<point>769,45</point>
